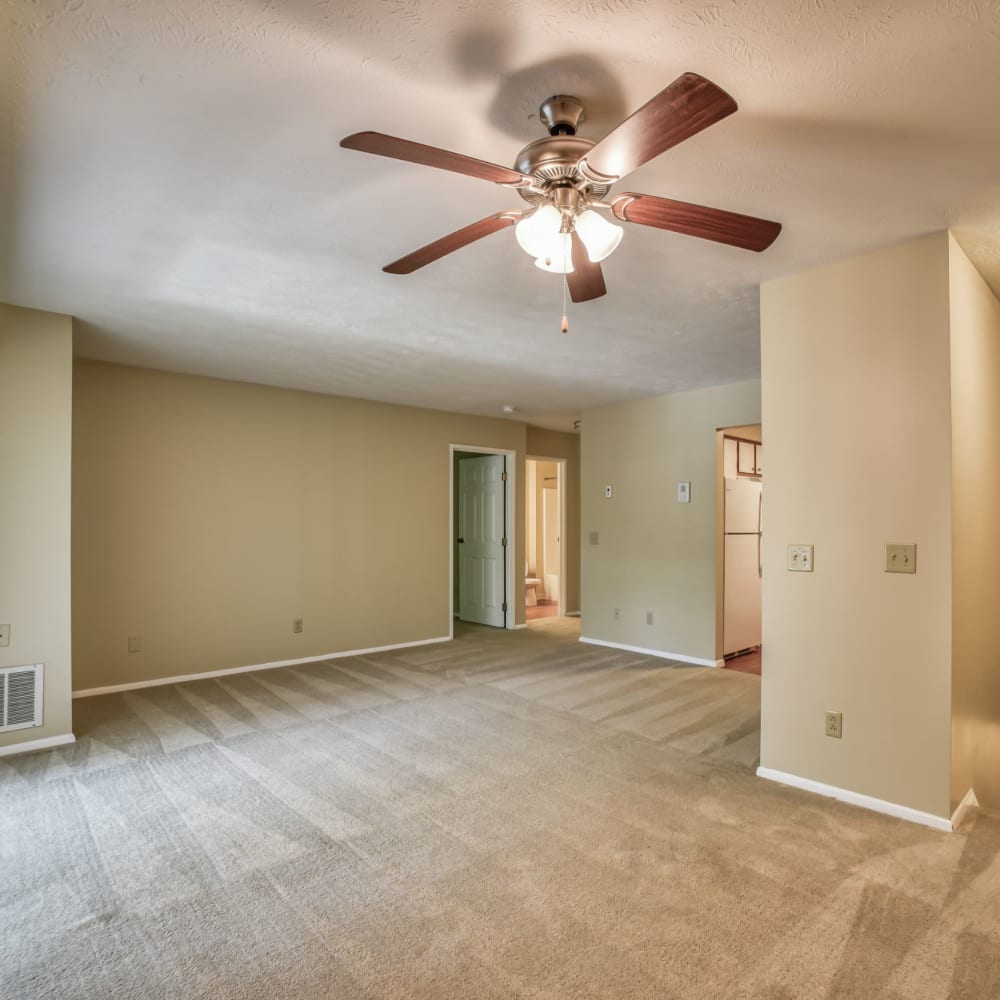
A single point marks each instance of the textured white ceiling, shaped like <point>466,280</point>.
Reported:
<point>170,174</point>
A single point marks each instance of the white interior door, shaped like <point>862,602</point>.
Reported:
<point>481,518</point>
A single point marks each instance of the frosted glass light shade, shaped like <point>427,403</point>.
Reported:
<point>599,236</point>
<point>536,233</point>
<point>558,256</point>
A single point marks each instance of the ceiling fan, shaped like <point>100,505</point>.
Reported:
<point>565,177</point>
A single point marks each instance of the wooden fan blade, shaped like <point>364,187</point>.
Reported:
<point>453,241</point>
<point>691,103</point>
<point>431,156</point>
<point>696,220</point>
<point>586,280</point>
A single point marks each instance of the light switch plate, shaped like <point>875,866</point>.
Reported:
<point>595,538</point>
<point>609,491</point>
<point>900,558</point>
<point>800,558</point>
<point>135,643</point>
<point>4,635</point>
<point>683,492</point>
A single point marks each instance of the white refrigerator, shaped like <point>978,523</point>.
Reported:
<point>742,568</point>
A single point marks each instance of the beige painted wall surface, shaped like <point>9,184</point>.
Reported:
<point>655,554</point>
<point>36,387</point>
<point>543,443</point>
<point>975,415</point>
<point>856,414</point>
<point>208,514</point>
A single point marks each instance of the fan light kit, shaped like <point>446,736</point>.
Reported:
<point>566,180</point>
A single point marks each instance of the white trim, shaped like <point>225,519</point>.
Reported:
<point>572,614</point>
<point>184,678</point>
<point>522,625</point>
<point>969,802</point>
<point>857,799</point>
<point>679,657</point>
<point>50,741</point>
<point>509,527</point>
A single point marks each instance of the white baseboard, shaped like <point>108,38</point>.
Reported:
<point>50,741</point>
<point>522,625</point>
<point>184,678</point>
<point>572,614</point>
<point>969,801</point>
<point>679,657</point>
<point>857,799</point>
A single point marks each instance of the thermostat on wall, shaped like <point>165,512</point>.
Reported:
<point>683,492</point>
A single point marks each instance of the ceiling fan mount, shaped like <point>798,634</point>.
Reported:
<point>561,114</point>
<point>564,177</point>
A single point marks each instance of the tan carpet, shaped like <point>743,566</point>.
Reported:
<point>507,815</point>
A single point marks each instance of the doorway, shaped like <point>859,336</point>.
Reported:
<point>481,522</point>
<point>740,530</point>
<point>544,552</point>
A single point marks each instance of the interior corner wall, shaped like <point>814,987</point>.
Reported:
<point>36,386</point>
<point>857,422</point>
<point>543,443</point>
<point>975,415</point>
<point>209,514</point>
<point>654,554</point>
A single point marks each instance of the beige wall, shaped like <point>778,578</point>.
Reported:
<point>208,514</point>
<point>555,444</point>
<point>975,416</point>
<point>655,554</point>
<point>36,352</point>
<point>856,415</point>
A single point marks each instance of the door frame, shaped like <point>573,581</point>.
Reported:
<point>509,526</point>
<point>561,463</point>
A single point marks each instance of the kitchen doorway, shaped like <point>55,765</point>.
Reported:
<point>740,522</point>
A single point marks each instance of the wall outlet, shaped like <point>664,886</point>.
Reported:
<point>833,724</point>
<point>618,614</point>
<point>900,558</point>
<point>135,643</point>
<point>297,625</point>
<point>595,538</point>
<point>683,492</point>
<point>4,635</point>
<point>649,617</point>
<point>799,558</point>
<point>609,491</point>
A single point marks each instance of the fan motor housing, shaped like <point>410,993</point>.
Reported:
<point>552,162</point>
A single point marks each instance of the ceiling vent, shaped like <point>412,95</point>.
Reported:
<point>20,697</point>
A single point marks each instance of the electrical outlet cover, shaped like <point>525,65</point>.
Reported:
<point>834,724</point>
